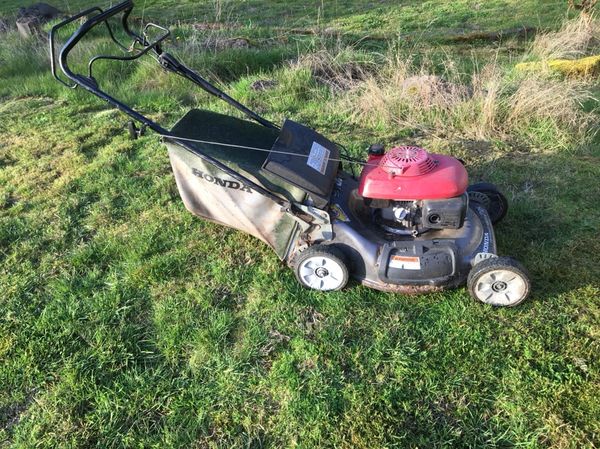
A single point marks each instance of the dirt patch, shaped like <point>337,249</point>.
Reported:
<point>222,43</point>
<point>4,25</point>
<point>8,201</point>
<point>307,365</point>
<point>474,148</point>
<point>30,19</point>
<point>6,160</point>
<point>522,32</point>
<point>276,340</point>
<point>311,321</point>
<point>10,415</point>
<point>204,26</point>
<point>433,90</point>
<point>344,78</point>
<point>224,298</point>
<point>260,85</point>
<point>40,11</point>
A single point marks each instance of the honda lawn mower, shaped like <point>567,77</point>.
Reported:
<point>408,223</point>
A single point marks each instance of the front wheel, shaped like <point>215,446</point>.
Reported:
<point>321,267</point>
<point>499,281</point>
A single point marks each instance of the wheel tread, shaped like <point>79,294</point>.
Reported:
<point>498,263</point>
<point>327,251</point>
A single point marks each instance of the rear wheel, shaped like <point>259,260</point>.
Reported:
<point>321,267</point>
<point>488,195</point>
<point>132,130</point>
<point>499,281</point>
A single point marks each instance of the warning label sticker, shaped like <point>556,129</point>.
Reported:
<point>405,262</point>
<point>318,157</point>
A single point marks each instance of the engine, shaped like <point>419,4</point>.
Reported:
<point>411,191</point>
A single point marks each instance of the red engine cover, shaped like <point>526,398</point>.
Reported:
<point>410,173</point>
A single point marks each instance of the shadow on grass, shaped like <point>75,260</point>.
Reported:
<point>552,223</point>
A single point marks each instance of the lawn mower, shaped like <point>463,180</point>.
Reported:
<point>408,223</point>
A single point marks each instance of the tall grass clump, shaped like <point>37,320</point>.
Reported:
<point>536,111</point>
<point>22,57</point>
<point>494,104</point>
<point>340,68</point>
<point>576,38</point>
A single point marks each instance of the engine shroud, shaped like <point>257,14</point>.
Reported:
<point>410,173</point>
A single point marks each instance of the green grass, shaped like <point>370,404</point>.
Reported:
<point>351,15</point>
<point>127,322</point>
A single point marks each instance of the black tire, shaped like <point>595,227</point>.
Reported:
<point>321,267</point>
<point>132,130</point>
<point>499,281</point>
<point>497,204</point>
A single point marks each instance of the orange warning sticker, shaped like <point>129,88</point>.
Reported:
<point>405,262</point>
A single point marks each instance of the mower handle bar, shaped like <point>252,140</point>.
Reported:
<point>53,31</point>
<point>166,61</point>
<point>146,49</point>
<point>102,17</point>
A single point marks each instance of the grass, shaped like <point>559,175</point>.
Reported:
<point>127,322</point>
<point>350,15</point>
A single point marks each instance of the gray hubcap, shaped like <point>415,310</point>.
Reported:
<point>501,287</point>
<point>321,273</point>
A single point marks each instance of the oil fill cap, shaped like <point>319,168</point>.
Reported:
<point>376,149</point>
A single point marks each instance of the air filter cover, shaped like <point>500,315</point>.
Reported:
<point>407,161</point>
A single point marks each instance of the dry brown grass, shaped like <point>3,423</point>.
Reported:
<point>559,101</point>
<point>576,38</point>
<point>494,103</point>
<point>339,68</point>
